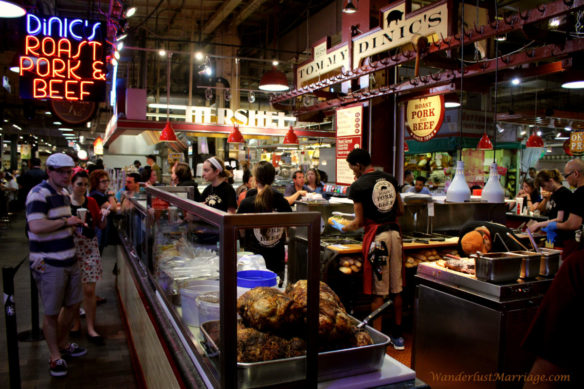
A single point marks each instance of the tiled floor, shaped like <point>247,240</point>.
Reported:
<point>104,367</point>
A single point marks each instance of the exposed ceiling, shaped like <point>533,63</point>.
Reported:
<point>249,28</point>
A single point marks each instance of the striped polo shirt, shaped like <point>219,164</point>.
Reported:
<point>57,248</point>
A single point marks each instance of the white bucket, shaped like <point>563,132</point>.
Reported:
<point>188,296</point>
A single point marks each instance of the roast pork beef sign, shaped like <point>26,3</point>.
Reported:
<point>399,27</point>
<point>425,116</point>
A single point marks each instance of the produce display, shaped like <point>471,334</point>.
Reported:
<point>273,323</point>
<point>414,257</point>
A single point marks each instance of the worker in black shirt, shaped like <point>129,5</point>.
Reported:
<point>377,204</point>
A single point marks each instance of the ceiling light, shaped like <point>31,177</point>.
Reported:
<point>349,7</point>
<point>47,112</point>
<point>235,136</point>
<point>82,154</point>
<point>555,22</point>
<point>162,52</point>
<point>167,134</point>
<point>534,141</point>
<point>120,46</point>
<point>290,138</point>
<point>251,97</point>
<point>501,38</point>
<point>451,104</point>
<point>65,129</point>
<point>114,62</point>
<point>568,127</point>
<point>199,56</point>
<point>275,62</point>
<point>538,132</point>
<point>15,69</point>
<point>88,124</point>
<point>274,81</point>
<point>573,84</point>
<point>17,127</point>
<point>57,123</point>
<point>516,81</point>
<point>117,55</point>
<point>485,143</point>
<point>121,37</point>
<point>10,10</point>
<point>523,132</point>
<point>130,12</point>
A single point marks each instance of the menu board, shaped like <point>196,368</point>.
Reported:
<point>349,136</point>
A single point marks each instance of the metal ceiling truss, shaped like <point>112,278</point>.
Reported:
<point>441,78</point>
<point>506,25</point>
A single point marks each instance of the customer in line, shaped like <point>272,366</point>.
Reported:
<point>313,183</point>
<point>268,242</point>
<point>419,186</point>
<point>151,161</point>
<point>132,187</point>
<point>218,194</point>
<point>182,175</point>
<point>99,189</point>
<point>558,205</point>
<point>377,204</point>
<point>87,251</point>
<point>52,259</point>
<point>297,188</point>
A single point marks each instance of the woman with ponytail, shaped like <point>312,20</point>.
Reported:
<point>268,242</point>
<point>218,194</point>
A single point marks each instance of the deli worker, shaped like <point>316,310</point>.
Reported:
<point>377,204</point>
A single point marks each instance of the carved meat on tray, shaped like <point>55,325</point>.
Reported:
<point>256,346</point>
<point>268,309</point>
<point>333,322</point>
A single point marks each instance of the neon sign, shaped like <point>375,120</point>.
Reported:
<point>63,59</point>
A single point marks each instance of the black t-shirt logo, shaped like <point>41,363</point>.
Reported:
<point>383,195</point>
<point>213,200</point>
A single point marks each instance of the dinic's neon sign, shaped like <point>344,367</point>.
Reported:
<point>64,28</point>
<point>63,59</point>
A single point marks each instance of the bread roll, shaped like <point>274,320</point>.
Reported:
<point>346,270</point>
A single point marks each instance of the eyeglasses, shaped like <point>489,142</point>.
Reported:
<point>569,174</point>
<point>81,184</point>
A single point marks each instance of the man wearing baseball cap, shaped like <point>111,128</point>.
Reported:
<point>486,237</point>
<point>50,227</point>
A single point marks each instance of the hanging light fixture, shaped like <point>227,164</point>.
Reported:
<point>406,147</point>
<point>534,140</point>
<point>459,191</point>
<point>235,136</point>
<point>11,9</point>
<point>274,81</point>
<point>493,191</point>
<point>291,138</point>
<point>485,143</point>
<point>167,134</point>
<point>349,8</point>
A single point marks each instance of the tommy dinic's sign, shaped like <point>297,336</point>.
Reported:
<point>397,29</point>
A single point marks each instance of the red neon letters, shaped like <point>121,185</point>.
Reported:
<point>62,70</point>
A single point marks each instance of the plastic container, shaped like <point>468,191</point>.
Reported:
<point>208,306</point>
<point>249,279</point>
<point>188,299</point>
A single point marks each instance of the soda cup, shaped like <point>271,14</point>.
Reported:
<point>82,213</point>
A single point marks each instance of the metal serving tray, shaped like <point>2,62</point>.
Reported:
<point>331,364</point>
<point>530,263</point>
<point>498,267</point>
<point>550,262</point>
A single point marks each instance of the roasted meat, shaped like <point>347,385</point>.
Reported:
<point>333,322</point>
<point>256,346</point>
<point>268,309</point>
<point>360,338</point>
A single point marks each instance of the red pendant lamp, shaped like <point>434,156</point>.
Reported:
<point>534,140</point>
<point>274,81</point>
<point>406,147</point>
<point>167,134</point>
<point>485,143</point>
<point>290,138</point>
<point>235,136</point>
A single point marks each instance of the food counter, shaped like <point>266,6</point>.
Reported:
<point>168,244</point>
<point>481,324</point>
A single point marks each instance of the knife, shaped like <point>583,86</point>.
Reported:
<point>374,314</point>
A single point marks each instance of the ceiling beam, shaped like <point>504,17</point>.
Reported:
<point>247,11</point>
<point>218,17</point>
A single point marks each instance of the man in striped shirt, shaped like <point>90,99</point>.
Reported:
<point>50,227</point>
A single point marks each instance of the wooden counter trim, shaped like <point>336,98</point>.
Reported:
<point>357,248</point>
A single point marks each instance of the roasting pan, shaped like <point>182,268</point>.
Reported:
<point>331,364</point>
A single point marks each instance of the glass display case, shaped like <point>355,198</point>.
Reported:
<point>178,265</point>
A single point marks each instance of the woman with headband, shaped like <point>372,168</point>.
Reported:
<point>219,194</point>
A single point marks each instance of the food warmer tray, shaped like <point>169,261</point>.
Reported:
<point>331,364</point>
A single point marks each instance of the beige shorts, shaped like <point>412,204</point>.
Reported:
<point>392,272</point>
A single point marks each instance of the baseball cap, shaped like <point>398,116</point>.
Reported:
<point>60,160</point>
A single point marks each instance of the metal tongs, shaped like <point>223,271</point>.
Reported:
<point>374,314</point>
